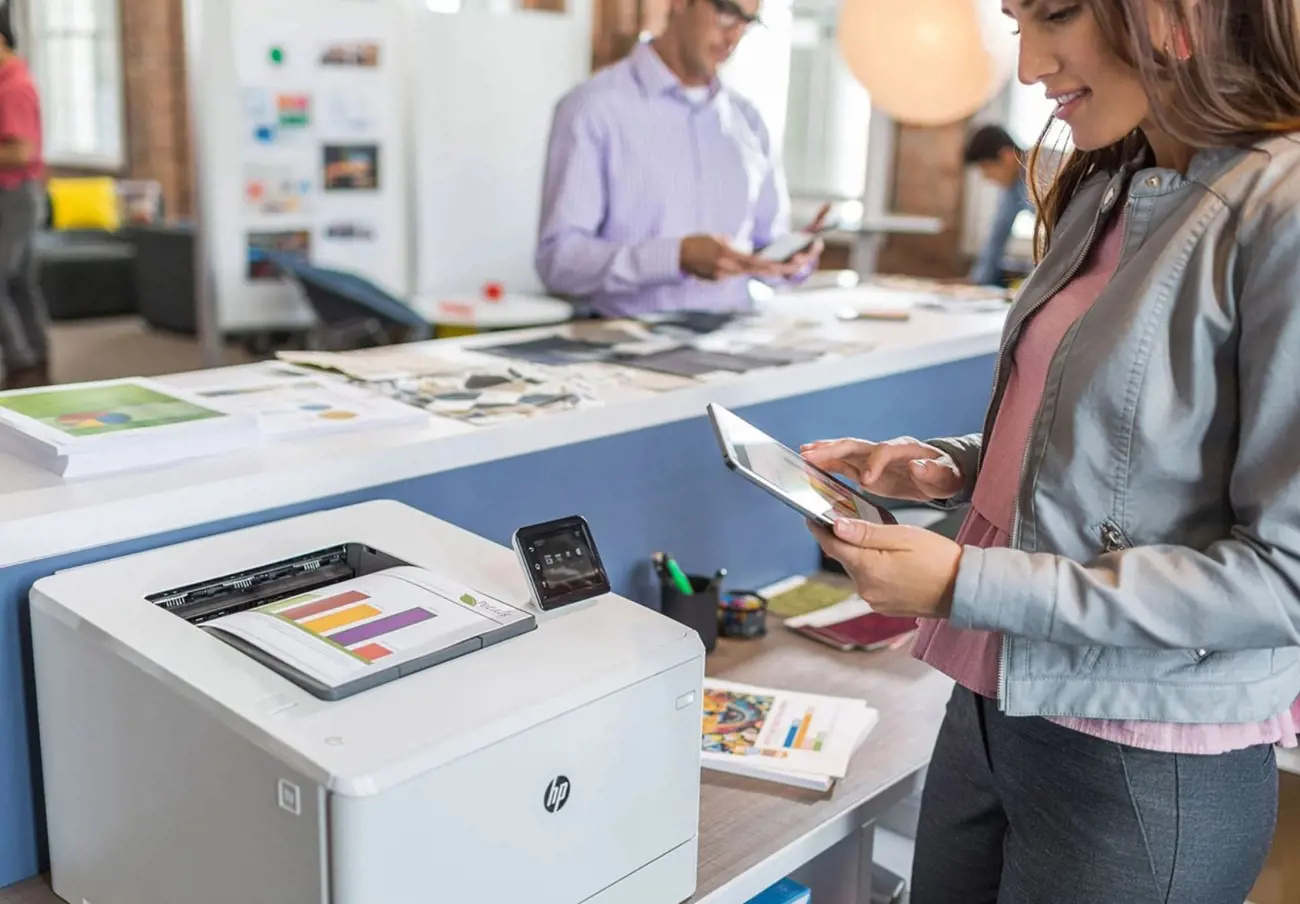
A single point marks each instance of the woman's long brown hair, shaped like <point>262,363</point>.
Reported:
<point>1240,84</point>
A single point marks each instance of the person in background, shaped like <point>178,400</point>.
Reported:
<point>24,344</point>
<point>661,183</point>
<point>1121,610</point>
<point>1001,161</point>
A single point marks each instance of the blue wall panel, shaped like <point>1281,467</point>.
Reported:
<point>663,488</point>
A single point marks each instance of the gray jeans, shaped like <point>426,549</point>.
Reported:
<point>1023,811</point>
<point>23,316</point>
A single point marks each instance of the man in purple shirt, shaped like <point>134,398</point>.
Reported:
<point>661,184</point>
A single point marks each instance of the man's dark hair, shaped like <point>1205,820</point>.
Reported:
<point>986,144</point>
<point>7,28</point>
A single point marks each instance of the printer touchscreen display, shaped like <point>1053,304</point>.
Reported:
<point>561,561</point>
<point>567,563</point>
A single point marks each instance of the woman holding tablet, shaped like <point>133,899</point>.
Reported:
<point>1122,610</point>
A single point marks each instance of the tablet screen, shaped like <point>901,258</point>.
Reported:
<point>786,470</point>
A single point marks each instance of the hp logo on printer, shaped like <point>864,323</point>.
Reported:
<point>557,794</point>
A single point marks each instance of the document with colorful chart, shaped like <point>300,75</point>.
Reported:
<point>290,403</point>
<point>798,739</point>
<point>114,425</point>
<point>367,630</point>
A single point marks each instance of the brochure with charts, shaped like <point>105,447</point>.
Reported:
<point>798,739</point>
<point>370,629</point>
<point>113,425</point>
<point>292,403</point>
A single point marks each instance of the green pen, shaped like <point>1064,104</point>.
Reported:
<point>679,577</point>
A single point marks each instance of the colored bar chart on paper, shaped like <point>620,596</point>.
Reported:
<point>372,652</point>
<point>381,626</point>
<point>340,618</point>
<point>316,607</point>
<point>797,737</point>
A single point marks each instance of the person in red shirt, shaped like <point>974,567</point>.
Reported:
<point>24,343</point>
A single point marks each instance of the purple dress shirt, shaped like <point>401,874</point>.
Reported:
<point>634,166</point>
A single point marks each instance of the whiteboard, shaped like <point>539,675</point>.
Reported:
<point>485,86</point>
<point>302,148</point>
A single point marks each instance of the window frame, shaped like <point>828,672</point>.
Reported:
<point>108,41</point>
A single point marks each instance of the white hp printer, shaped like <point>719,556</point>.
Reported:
<point>192,752</point>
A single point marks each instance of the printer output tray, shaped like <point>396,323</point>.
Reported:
<point>379,676</point>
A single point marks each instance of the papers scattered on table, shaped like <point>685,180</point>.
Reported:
<point>372,365</point>
<point>88,429</point>
<point>290,403</point>
<point>804,740</point>
<point>480,396</point>
<point>953,298</point>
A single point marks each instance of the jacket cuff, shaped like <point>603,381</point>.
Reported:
<point>965,454</point>
<point>1006,591</point>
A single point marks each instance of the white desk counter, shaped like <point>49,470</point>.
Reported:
<point>43,516</point>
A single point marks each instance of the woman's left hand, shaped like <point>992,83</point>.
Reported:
<point>900,570</point>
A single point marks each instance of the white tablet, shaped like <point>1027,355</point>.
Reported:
<point>785,474</point>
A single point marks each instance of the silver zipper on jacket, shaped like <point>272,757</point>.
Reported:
<point>1060,284</point>
<point>1112,538</point>
<point>1012,334</point>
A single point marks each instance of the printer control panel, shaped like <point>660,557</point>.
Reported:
<point>561,561</point>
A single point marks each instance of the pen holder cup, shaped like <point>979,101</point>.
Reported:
<point>698,611</point>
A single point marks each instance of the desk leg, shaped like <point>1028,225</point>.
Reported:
<point>866,863</point>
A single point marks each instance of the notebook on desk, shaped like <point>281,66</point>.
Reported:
<point>853,625</point>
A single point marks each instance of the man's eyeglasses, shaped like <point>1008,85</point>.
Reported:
<point>730,14</point>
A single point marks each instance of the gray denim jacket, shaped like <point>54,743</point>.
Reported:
<point>1155,568</point>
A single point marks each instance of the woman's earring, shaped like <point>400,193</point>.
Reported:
<point>1180,44</point>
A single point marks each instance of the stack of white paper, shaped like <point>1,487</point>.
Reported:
<point>87,429</point>
<point>805,740</point>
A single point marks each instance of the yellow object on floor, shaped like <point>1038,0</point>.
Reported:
<point>84,203</point>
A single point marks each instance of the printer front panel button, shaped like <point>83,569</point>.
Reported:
<point>685,700</point>
<point>290,797</point>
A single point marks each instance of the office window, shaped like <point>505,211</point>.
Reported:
<point>75,47</point>
<point>760,68</point>
<point>829,121</point>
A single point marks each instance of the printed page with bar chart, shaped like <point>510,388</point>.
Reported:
<point>345,633</point>
<point>800,739</point>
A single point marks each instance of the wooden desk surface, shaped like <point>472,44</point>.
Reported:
<point>743,821</point>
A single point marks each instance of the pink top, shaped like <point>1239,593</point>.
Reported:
<point>20,119</point>
<point>971,657</point>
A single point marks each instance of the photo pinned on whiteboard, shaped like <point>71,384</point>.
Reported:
<point>351,167</point>
<point>350,231</point>
<point>347,112</point>
<point>364,54</point>
<point>277,189</point>
<point>261,245</point>
<point>293,111</point>
<point>260,116</point>
<point>272,117</point>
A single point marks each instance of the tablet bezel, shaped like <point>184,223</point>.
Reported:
<point>732,461</point>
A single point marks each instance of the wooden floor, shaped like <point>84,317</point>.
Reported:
<point>104,349</point>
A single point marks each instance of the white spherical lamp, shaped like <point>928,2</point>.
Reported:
<point>928,62</point>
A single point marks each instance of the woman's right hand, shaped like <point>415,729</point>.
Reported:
<point>902,468</point>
